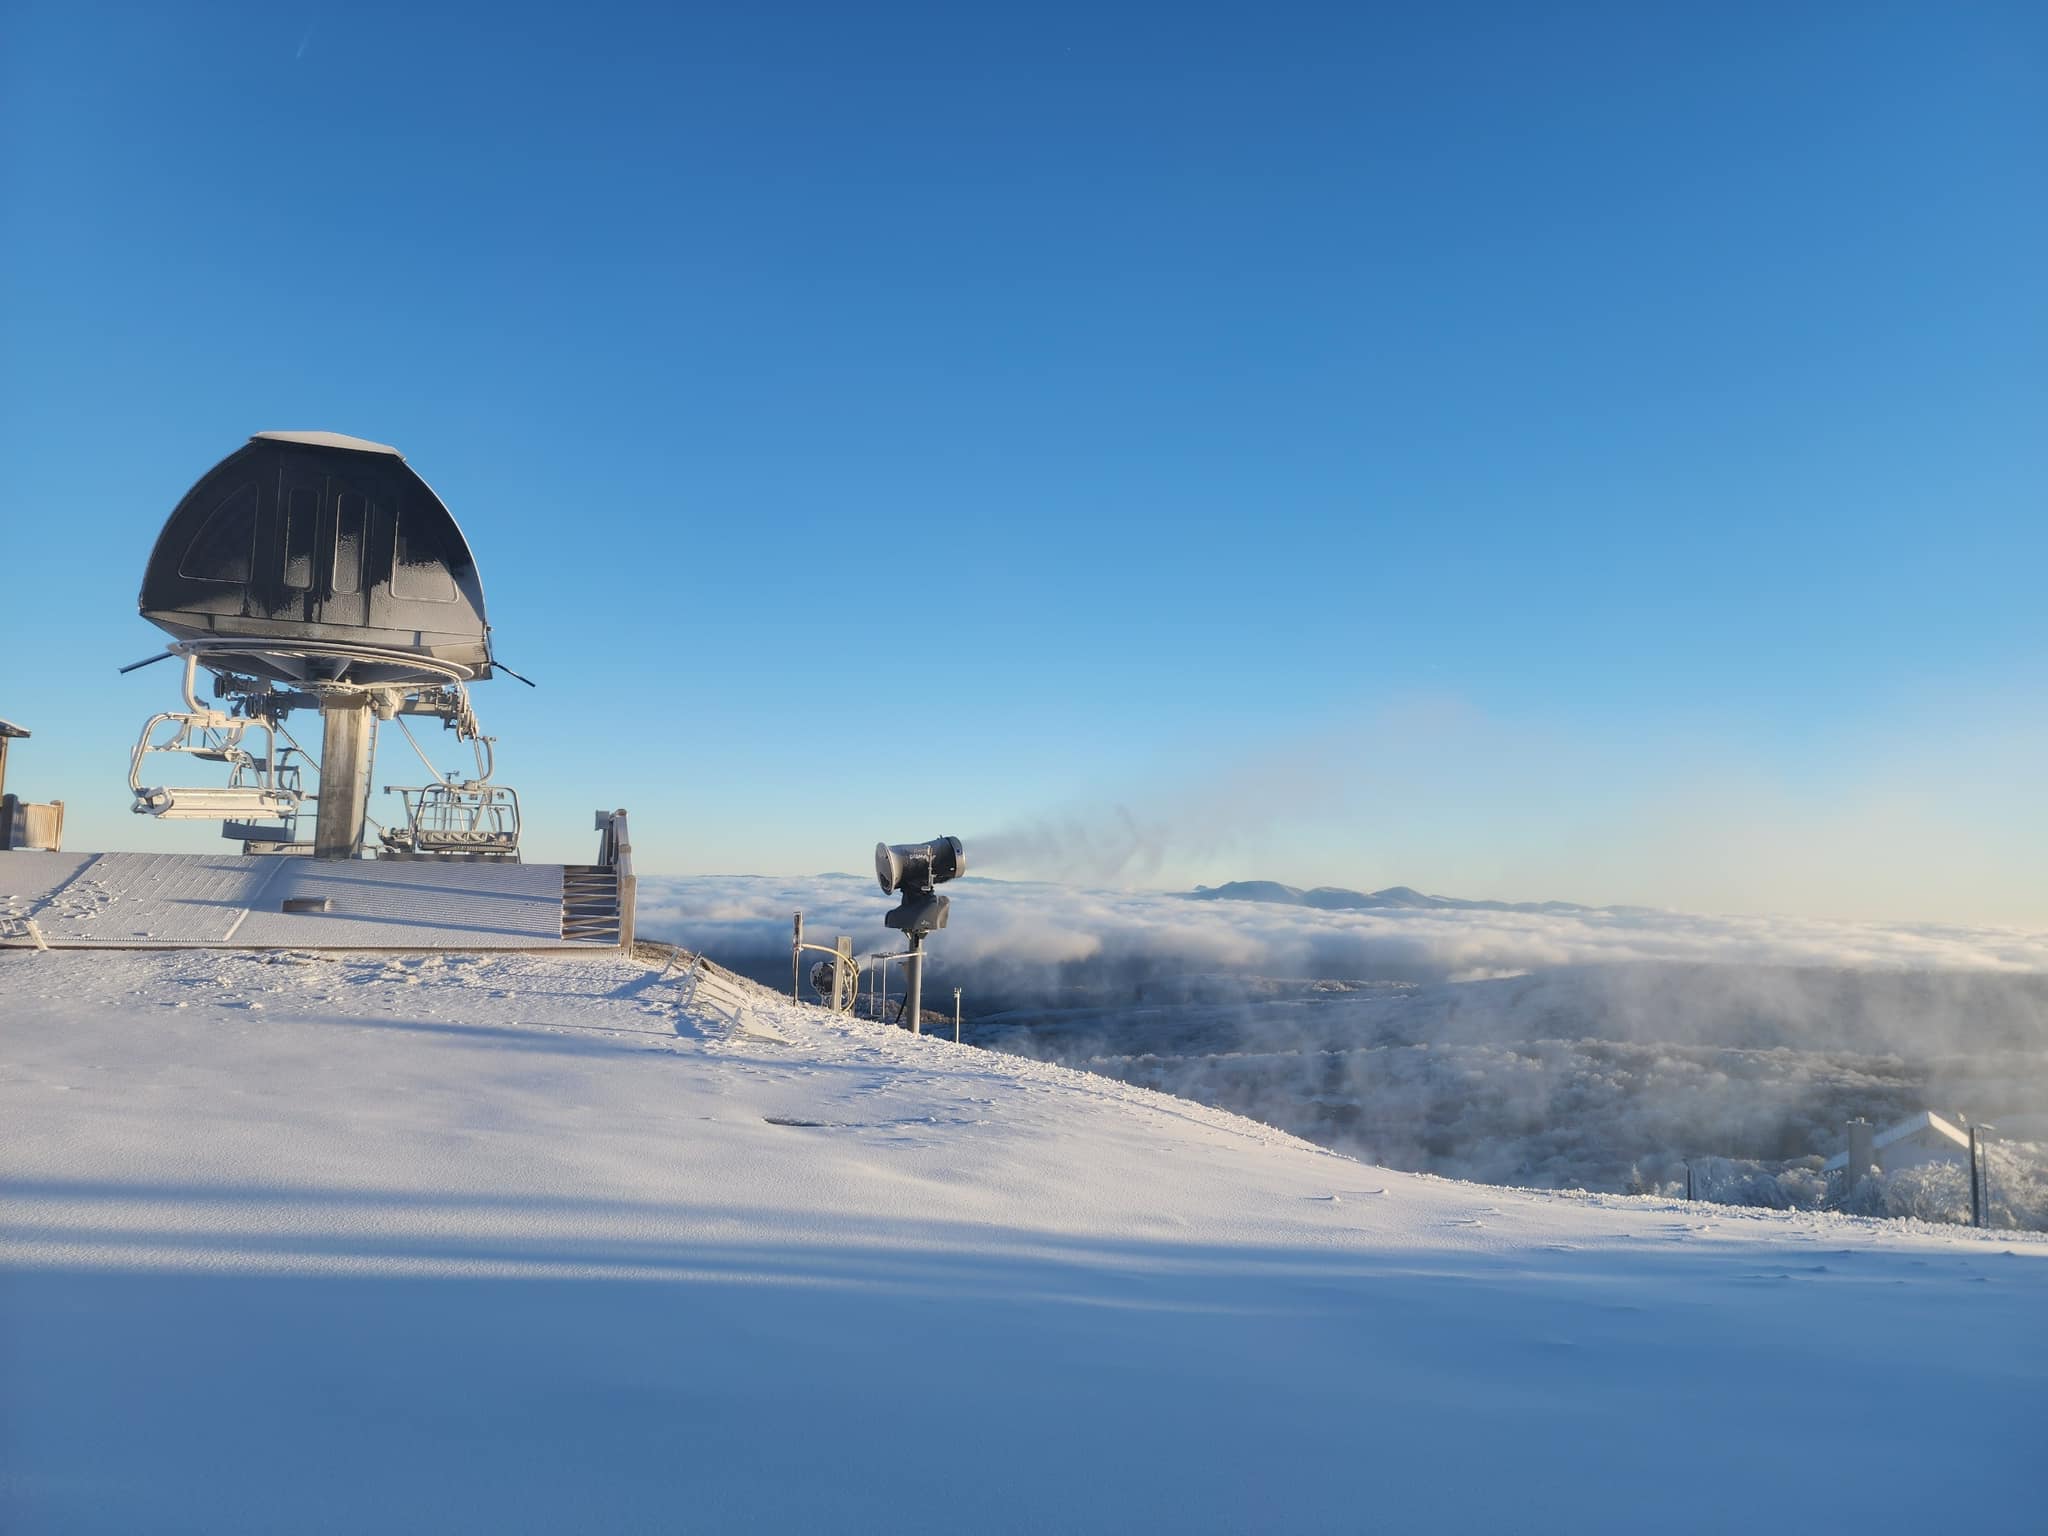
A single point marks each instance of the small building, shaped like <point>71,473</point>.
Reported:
<point>1922,1138</point>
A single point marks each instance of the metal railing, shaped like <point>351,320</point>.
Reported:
<point>615,852</point>
<point>848,973</point>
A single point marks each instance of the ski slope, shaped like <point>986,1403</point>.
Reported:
<point>298,1243</point>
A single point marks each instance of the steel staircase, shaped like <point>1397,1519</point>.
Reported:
<point>591,911</point>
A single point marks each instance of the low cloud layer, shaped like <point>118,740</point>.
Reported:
<point>1010,937</point>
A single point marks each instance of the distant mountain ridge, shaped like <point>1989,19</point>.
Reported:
<point>1333,898</point>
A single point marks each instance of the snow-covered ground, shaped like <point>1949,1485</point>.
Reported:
<point>295,1243</point>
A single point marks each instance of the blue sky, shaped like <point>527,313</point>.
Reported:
<point>1590,451</point>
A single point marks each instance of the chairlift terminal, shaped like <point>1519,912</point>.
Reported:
<point>309,570</point>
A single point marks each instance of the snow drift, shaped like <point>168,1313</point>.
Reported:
<point>321,1243</point>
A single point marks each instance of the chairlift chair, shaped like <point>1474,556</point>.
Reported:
<point>257,786</point>
<point>468,816</point>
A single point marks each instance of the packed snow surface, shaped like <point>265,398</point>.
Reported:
<point>566,1243</point>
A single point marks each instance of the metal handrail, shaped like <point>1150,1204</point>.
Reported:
<point>615,852</point>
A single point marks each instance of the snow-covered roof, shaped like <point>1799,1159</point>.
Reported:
<point>1913,1125</point>
<point>330,440</point>
<point>9,728</point>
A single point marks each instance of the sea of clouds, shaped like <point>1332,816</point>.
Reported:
<point>1012,937</point>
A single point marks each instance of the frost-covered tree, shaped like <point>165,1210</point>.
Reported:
<point>1930,1192</point>
<point>1866,1197</point>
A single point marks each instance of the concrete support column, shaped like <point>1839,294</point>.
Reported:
<point>348,733</point>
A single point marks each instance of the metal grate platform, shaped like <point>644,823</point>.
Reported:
<point>236,901</point>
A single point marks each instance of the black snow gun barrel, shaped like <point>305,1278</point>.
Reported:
<point>912,869</point>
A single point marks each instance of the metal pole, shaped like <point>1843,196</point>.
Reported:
<point>796,960</point>
<point>956,1015</point>
<point>1976,1198</point>
<point>915,965</point>
<point>347,732</point>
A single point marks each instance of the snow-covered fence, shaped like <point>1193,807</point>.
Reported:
<point>31,824</point>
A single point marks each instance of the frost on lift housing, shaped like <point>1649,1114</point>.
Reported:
<point>330,558</point>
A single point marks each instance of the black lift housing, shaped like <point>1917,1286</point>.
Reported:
<point>312,536</point>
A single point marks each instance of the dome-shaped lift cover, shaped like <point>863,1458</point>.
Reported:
<point>316,540</point>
